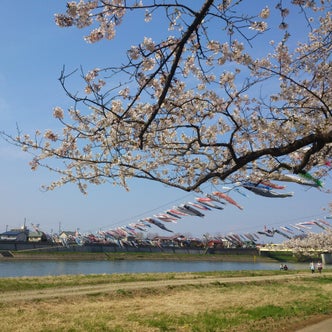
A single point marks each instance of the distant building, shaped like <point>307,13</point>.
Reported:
<point>20,234</point>
<point>23,235</point>
<point>36,236</point>
<point>179,241</point>
<point>67,237</point>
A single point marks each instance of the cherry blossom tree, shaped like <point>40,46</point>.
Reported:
<point>310,245</point>
<point>228,92</point>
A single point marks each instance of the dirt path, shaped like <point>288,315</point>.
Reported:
<point>57,292</point>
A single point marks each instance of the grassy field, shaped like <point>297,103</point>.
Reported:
<point>69,255</point>
<point>209,301</point>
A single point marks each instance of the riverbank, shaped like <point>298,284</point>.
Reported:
<point>79,256</point>
<point>211,301</point>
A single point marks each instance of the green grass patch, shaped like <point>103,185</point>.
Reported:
<point>35,283</point>
<point>282,256</point>
<point>236,317</point>
<point>245,317</point>
<point>267,305</point>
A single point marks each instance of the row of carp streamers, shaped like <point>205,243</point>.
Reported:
<point>218,200</point>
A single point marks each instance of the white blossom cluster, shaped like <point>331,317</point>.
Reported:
<point>311,243</point>
<point>218,99</point>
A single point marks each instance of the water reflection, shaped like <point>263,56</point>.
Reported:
<point>53,268</point>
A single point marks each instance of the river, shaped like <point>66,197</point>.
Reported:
<point>54,268</point>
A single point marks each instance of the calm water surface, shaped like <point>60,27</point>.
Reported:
<point>53,268</point>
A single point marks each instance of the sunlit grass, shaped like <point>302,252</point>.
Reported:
<point>267,305</point>
<point>34,283</point>
<point>238,317</point>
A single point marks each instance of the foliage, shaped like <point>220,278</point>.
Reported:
<point>227,91</point>
<point>282,256</point>
<point>311,244</point>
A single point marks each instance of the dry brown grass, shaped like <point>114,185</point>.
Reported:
<point>123,309</point>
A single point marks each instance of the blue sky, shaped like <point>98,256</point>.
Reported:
<point>34,51</point>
